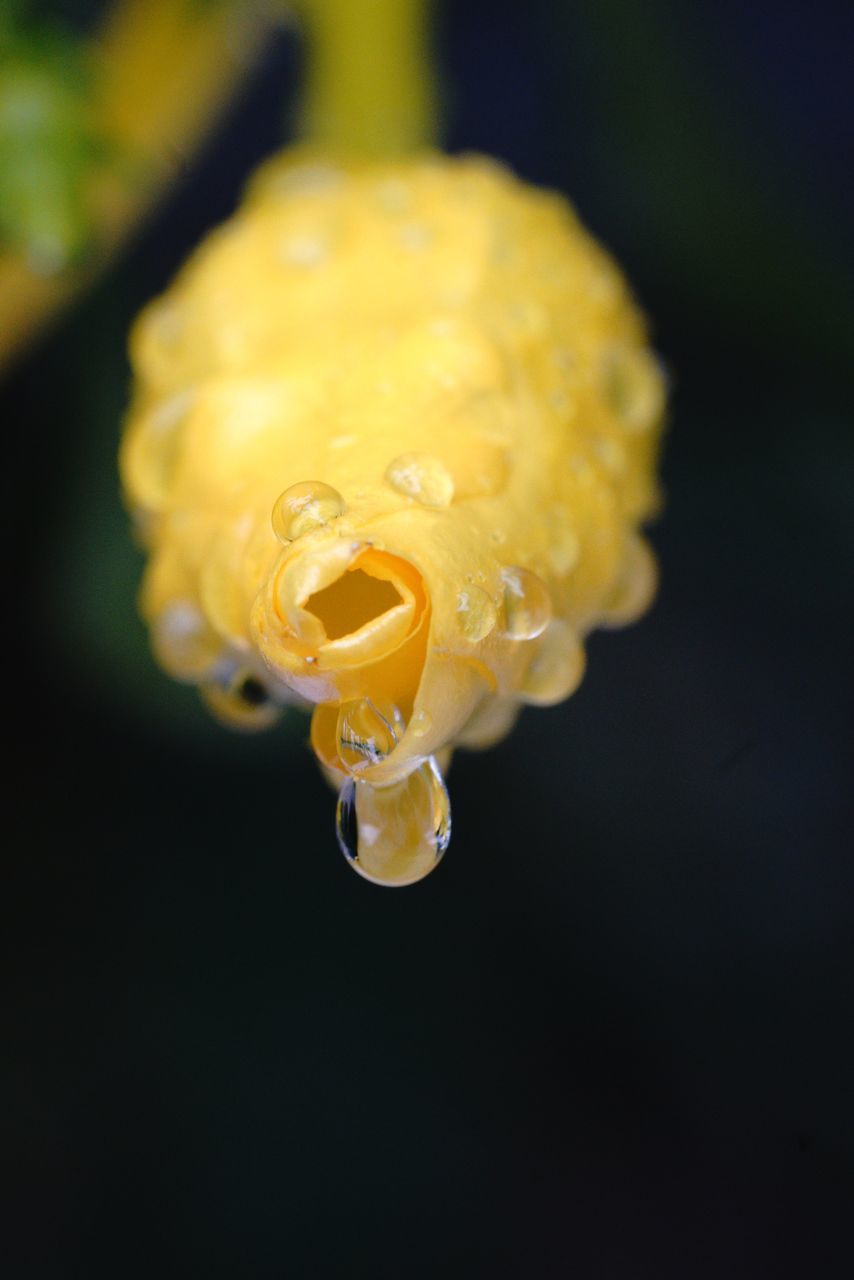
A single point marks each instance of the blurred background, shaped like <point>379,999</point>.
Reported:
<point>611,1036</point>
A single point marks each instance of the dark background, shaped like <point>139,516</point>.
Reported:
<point>611,1036</point>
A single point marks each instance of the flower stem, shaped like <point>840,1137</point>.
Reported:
<point>369,88</point>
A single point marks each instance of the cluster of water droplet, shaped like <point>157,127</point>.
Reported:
<point>396,834</point>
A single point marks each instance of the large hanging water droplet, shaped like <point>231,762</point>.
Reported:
<point>476,613</point>
<point>527,603</point>
<point>422,477</point>
<point>395,835</point>
<point>556,667</point>
<point>367,734</point>
<point>304,507</point>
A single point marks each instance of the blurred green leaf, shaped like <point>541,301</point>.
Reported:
<point>49,145</point>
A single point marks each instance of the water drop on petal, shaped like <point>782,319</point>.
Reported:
<point>635,585</point>
<point>527,603</point>
<point>241,701</point>
<point>184,643</point>
<point>421,723</point>
<point>367,733</point>
<point>556,668</point>
<point>304,507</point>
<point>305,251</point>
<point>422,477</point>
<point>415,236</point>
<point>476,613</point>
<point>154,449</point>
<point>634,386</point>
<point>395,835</point>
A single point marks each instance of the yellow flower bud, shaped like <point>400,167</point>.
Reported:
<point>393,433</point>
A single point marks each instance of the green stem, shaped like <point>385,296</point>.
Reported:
<point>369,86</point>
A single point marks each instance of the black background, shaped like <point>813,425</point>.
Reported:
<point>610,1037</point>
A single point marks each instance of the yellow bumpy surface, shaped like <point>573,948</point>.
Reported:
<point>393,432</point>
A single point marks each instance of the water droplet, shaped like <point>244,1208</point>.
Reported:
<point>184,644</point>
<point>556,669</point>
<point>305,251</point>
<point>611,454</point>
<point>476,613</point>
<point>635,584</point>
<point>154,449</point>
<point>393,196</point>
<point>165,323</point>
<point>422,477</point>
<point>527,603</point>
<point>395,835</point>
<point>563,547</point>
<point>241,700</point>
<point>305,507</point>
<point>421,723</point>
<point>415,236</point>
<point>529,318</point>
<point>634,386</point>
<point>562,405</point>
<point>366,734</point>
<point>307,179</point>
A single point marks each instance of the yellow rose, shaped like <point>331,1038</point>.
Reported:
<point>393,433</point>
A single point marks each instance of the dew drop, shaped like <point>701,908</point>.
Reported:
<point>561,404</point>
<point>556,669</point>
<point>393,196</point>
<point>241,700</point>
<point>307,179</point>
<point>421,723</point>
<point>563,549</point>
<point>184,643</point>
<point>635,584</point>
<point>476,613</point>
<point>305,507</point>
<point>395,835</point>
<point>415,236</point>
<point>422,477</point>
<point>166,324</point>
<point>634,386</point>
<point>154,450</point>
<point>367,734</point>
<point>305,251</point>
<point>527,603</point>
<point>611,454</point>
